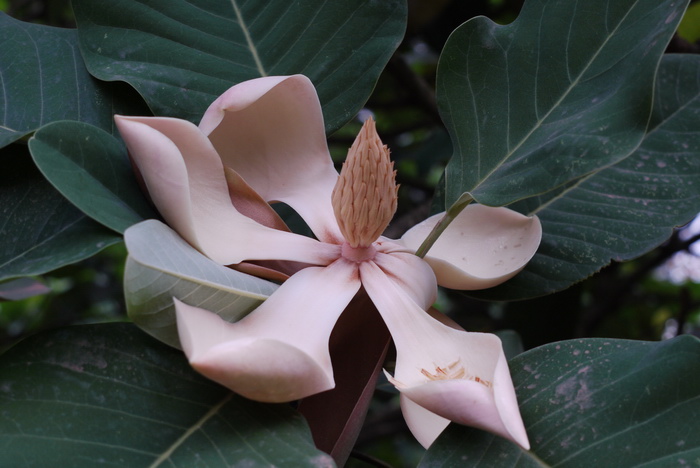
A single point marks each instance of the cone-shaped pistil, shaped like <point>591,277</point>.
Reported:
<point>364,198</point>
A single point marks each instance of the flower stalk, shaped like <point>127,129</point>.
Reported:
<point>449,216</point>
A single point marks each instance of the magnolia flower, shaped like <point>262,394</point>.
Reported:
<point>263,141</point>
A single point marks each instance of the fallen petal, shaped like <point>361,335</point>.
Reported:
<point>279,352</point>
<point>270,130</point>
<point>481,248</point>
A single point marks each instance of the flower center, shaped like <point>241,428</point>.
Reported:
<point>453,371</point>
<point>364,198</point>
<point>358,254</point>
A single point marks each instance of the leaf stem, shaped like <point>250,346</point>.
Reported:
<point>445,221</point>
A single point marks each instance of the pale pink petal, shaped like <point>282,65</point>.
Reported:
<point>186,181</point>
<point>410,273</point>
<point>425,425</point>
<point>477,389</point>
<point>482,247</point>
<point>270,130</point>
<point>279,352</point>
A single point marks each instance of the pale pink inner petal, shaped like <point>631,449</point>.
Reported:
<point>279,352</point>
<point>481,248</point>
<point>271,131</point>
<point>410,273</point>
<point>186,181</point>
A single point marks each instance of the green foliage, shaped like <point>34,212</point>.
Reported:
<point>627,209</point>
<point>561,92</point>
<point>41,230</point>
<point>570,112</point>
<point>157,272</point>
<point>44,79</point>
<point>88,166</point>
<point>593,402</point>
<point>96,395</point>
<point>183,57</point>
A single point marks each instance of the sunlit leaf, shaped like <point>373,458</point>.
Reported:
<point>564,90</point>
<point>161,265</point>
<point>594,402</point>
<point>39,229</point>
<point>91,169</point>
<point>181,55</point>
<point>626,210</point>
<point>110,395</point>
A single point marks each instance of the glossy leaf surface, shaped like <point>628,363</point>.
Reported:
<point>564,90</point>
<point>43,78</point>
<point>110,395</point>
<point>39,229</point>
<point>627,209</point>
<point>91,169</point>
<point>181,55</point>
<point>594,402</point>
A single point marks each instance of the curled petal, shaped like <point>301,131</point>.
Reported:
<point>410,273</point>
<point>481,248</point>
<point>454,374</point>
<point>279,352</point>
<point>270,130</point>
<point>185,179</point>
<point>425,425</point>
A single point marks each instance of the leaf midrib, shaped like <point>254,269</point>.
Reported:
<point>660,126</point>
<point>249,40</point>
<point>556,104</point>
<point>194,428</point>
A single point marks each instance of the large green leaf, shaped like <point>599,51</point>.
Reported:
<point>594,403</point>
<point>90,168</point>
<point>39,229</point>
<point>109,395</point>
<point>181,55</point>
<point>623,211</point>
<point>161,265</point>
<point>564,90</point>
<point>43,78</point>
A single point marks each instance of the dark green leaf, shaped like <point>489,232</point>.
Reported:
<point>109,395</point>
<point>594,403</point>
<point>43,78</point>
<point>39,229</point>
<point>91,169</point>
<point>626,210</point>
<point>564,90</point>
<point>181,55</point>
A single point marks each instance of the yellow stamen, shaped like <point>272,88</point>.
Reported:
<point>364,198</point>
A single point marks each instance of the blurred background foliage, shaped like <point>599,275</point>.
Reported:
<point>653,297</point>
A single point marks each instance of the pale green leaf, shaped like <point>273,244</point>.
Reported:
<point>161,265</point>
